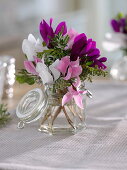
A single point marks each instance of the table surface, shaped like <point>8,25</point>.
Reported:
<point>101,146</point>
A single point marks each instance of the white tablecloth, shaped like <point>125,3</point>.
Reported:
<point>102,146</point>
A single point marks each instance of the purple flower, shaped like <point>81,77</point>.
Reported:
<point>99,63</point>
<point>47,31</point>
<point>115,25</point>
<point>123,23</point>
<point>119,25</point>
<point>61,27</point>
<point>86,50</point>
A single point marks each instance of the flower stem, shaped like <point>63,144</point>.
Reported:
<point>68,119</point>
<point>56,114</point>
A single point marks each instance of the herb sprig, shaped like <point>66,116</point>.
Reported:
<point>4,115</point>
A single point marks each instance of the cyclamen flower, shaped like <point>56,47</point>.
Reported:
<point>74,93</point>
<point>47,75</point>
<point>30,66</point>
<point>86,49</point>
<point>69,69</point>
<point>31,46</point>
<point>47,31</point>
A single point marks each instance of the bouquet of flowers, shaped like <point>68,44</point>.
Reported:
<point>61,61</point>
<point>63,57</point>
<point>118,39</point>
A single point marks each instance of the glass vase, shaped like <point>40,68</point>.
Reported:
<point>58,119</point>
<point>45,105</point>
<point>119,69</point>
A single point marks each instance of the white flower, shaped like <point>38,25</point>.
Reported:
<point>31,46</point>
<point>114,41</point>
<point>55,72</point>
<point>48,75</point>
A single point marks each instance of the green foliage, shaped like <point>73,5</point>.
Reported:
<point>54,55</point>
<point>57,51</point>
<point>24,77</point>
<point>62,84</point>
<point>60,41</point>
<point>4,116</point>
<point>89,72</point>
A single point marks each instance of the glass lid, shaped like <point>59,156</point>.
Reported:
<point>31,107</point>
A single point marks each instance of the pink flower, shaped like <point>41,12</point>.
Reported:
<point>72,34</point>
<point>74,93</point>
<point>69,69</point>
<point>30,67</point>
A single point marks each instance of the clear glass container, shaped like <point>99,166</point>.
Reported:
<point>60,119</point>
<point>45,105</point>
<point>2,78</point>
<point>9,75</point>
<point>119,69</point>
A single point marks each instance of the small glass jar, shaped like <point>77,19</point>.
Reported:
<point>119,69</point>
<point>46,105</point>
<point>62,119</point>
<point>2,78</point>
<point>9,76</point>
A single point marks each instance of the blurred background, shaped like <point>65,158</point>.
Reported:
<point>18,18</point>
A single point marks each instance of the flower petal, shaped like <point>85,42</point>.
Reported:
<point>31,38</point>
<point>69,74</point>
<point>55,72</point>
<point>76,71</point>
<point>78,100</point>
<point>36,60</point>
<point>75,63</point>
<point>115,25</point>
<point>42,69</point>
<point>80,36</point>
<point>66,98</point>
<point>99,64</point>
<point>63,64</point>
<point>78,82</point>
<point>103,59</point>
<point>78,45</point>
<point>29,66</point>
<point>94,52</point>
<point>46,31</point>
<point>28,49</point>
<point>61,28</point>
<point>72,33</point>
<point>51,21</point>
<point>86,48</point>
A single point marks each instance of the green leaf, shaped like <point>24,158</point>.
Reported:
<point>4,115</point>
<point>89,72</point>
<point>24,77</point>
<point>89,63</point>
